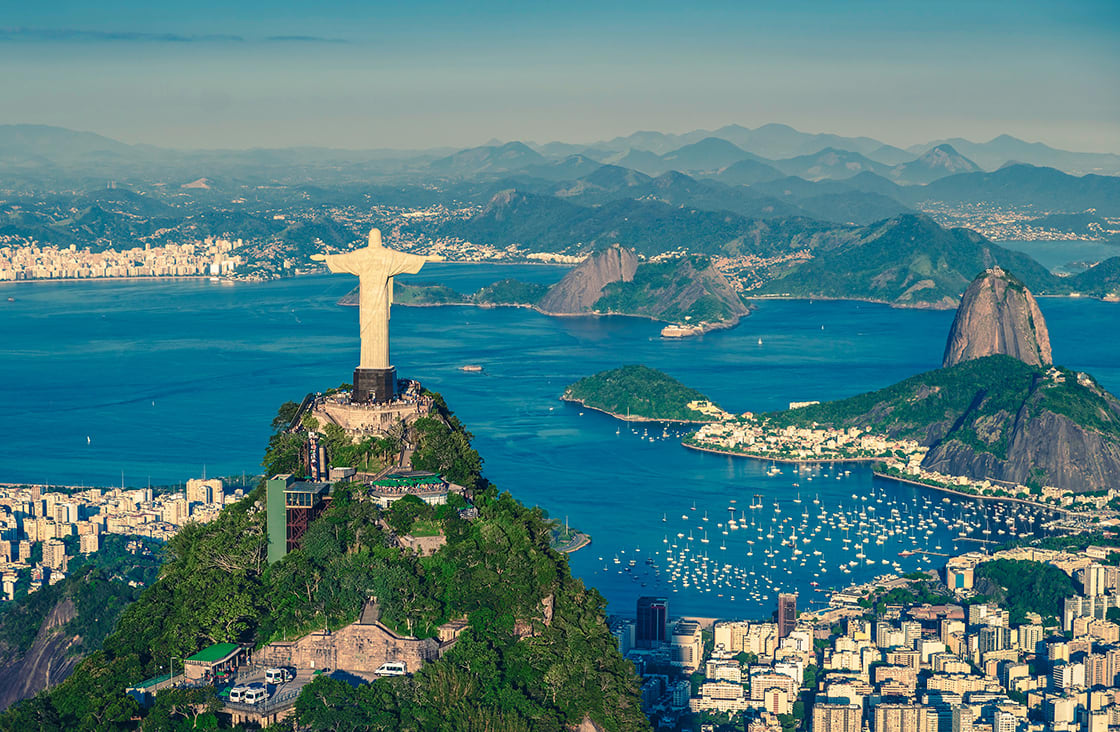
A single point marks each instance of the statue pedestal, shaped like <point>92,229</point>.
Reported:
<point>374,386</point>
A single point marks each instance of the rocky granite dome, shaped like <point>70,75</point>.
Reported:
<point>581,287</point>
<point>998,314</point>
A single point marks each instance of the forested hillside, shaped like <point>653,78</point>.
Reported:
<point>496,570</point>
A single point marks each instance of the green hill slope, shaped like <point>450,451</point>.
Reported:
<point>685,290</point>
<point>495,570</point>
<point>908,261</point>
<point>994,418</point>
<point>639,392</point>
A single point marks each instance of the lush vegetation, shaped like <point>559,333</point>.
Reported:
<point>637,391</point>
<point>426,294</point>
<point>1023,586</point>
<point>512,667</point>
<point>978,403</point>
<point>908,261</point>
<point>510,292</point>
<point>684,290</point>
<point>503,292</point>
<point>98,586</point>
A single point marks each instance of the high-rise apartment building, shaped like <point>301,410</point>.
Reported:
<point>653,616</point>
<point>787,613</point>
<point>837,718</point>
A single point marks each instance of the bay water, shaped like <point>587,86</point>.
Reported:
<point>158,380</point>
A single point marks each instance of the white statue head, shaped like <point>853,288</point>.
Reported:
<point>375,238</point>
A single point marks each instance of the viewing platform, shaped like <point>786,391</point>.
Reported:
<point>366,419</point>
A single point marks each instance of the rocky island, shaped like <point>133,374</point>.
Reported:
<point>641,394</point>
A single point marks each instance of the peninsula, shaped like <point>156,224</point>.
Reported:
<point>688,292</point>
<point>641,394</point>
<point>997,420</point>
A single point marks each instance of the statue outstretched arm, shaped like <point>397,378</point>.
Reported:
<point>338,262</point>
<point>410,263</point>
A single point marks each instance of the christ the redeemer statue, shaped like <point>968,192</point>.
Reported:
<point>375,265</point>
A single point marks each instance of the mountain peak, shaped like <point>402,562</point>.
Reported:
<point>998,315</point>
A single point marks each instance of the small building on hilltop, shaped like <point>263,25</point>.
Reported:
<point>431,488</point>
<point>209,662</point>
<point>293,503</point>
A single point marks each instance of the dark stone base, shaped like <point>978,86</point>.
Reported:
<point>374,386</point>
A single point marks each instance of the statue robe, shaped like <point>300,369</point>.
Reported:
<point>375,267</point>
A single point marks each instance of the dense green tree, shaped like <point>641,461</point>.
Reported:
<point>1023,586</point>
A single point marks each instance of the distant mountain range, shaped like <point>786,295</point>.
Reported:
<point>32,146</point>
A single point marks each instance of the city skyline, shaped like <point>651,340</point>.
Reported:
<point>370,77</point>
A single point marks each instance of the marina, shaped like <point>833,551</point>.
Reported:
<point>805,530</point>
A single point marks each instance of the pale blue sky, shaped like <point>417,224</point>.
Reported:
<point>412,75</point>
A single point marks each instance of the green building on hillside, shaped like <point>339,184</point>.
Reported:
<point>292,504</point>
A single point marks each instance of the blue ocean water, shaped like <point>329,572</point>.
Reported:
<point>157,379</point>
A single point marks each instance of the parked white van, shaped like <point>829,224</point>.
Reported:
<point>255,695</point>
<point>391,668</point>
<point>237,693</point>
<point>277,675</point>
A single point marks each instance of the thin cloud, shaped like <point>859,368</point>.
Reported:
<point>67,35</point>
<point>304,39</point>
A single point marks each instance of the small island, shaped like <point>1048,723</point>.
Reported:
<point>641,394</point>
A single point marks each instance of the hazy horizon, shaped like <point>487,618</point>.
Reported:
<point>357,76</point>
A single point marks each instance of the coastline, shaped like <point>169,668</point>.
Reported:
<point>723,325</point>
<point>1010,499</point>
<point>923,306</point>
<point>633,417</point>
<point>878,474</point>
<point>581,541</point>
<point>784,460</point>
<point>138,278</point>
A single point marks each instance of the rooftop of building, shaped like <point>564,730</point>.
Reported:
<point>215,654</point>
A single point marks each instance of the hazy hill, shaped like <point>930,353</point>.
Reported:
<point>777,141</point>
<point>570,167</point>
<point>829,163</point>
<point>907,261</point>
<point>123,200</point>
<point>675,188</point>
<point>641,160</point>
<point>853,207</point>
<point>832,200</point>
<point>888,155</point>
<point>875,183</point>
<point>23,143</point>
<point>1005,149</point>
<point>1102,281</point>
<point>709,154</point>
<point>550,224</point>
<point>500,159</point>
<point>937,162</point>
<point>1027,185</point>
<point>748,172</point>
